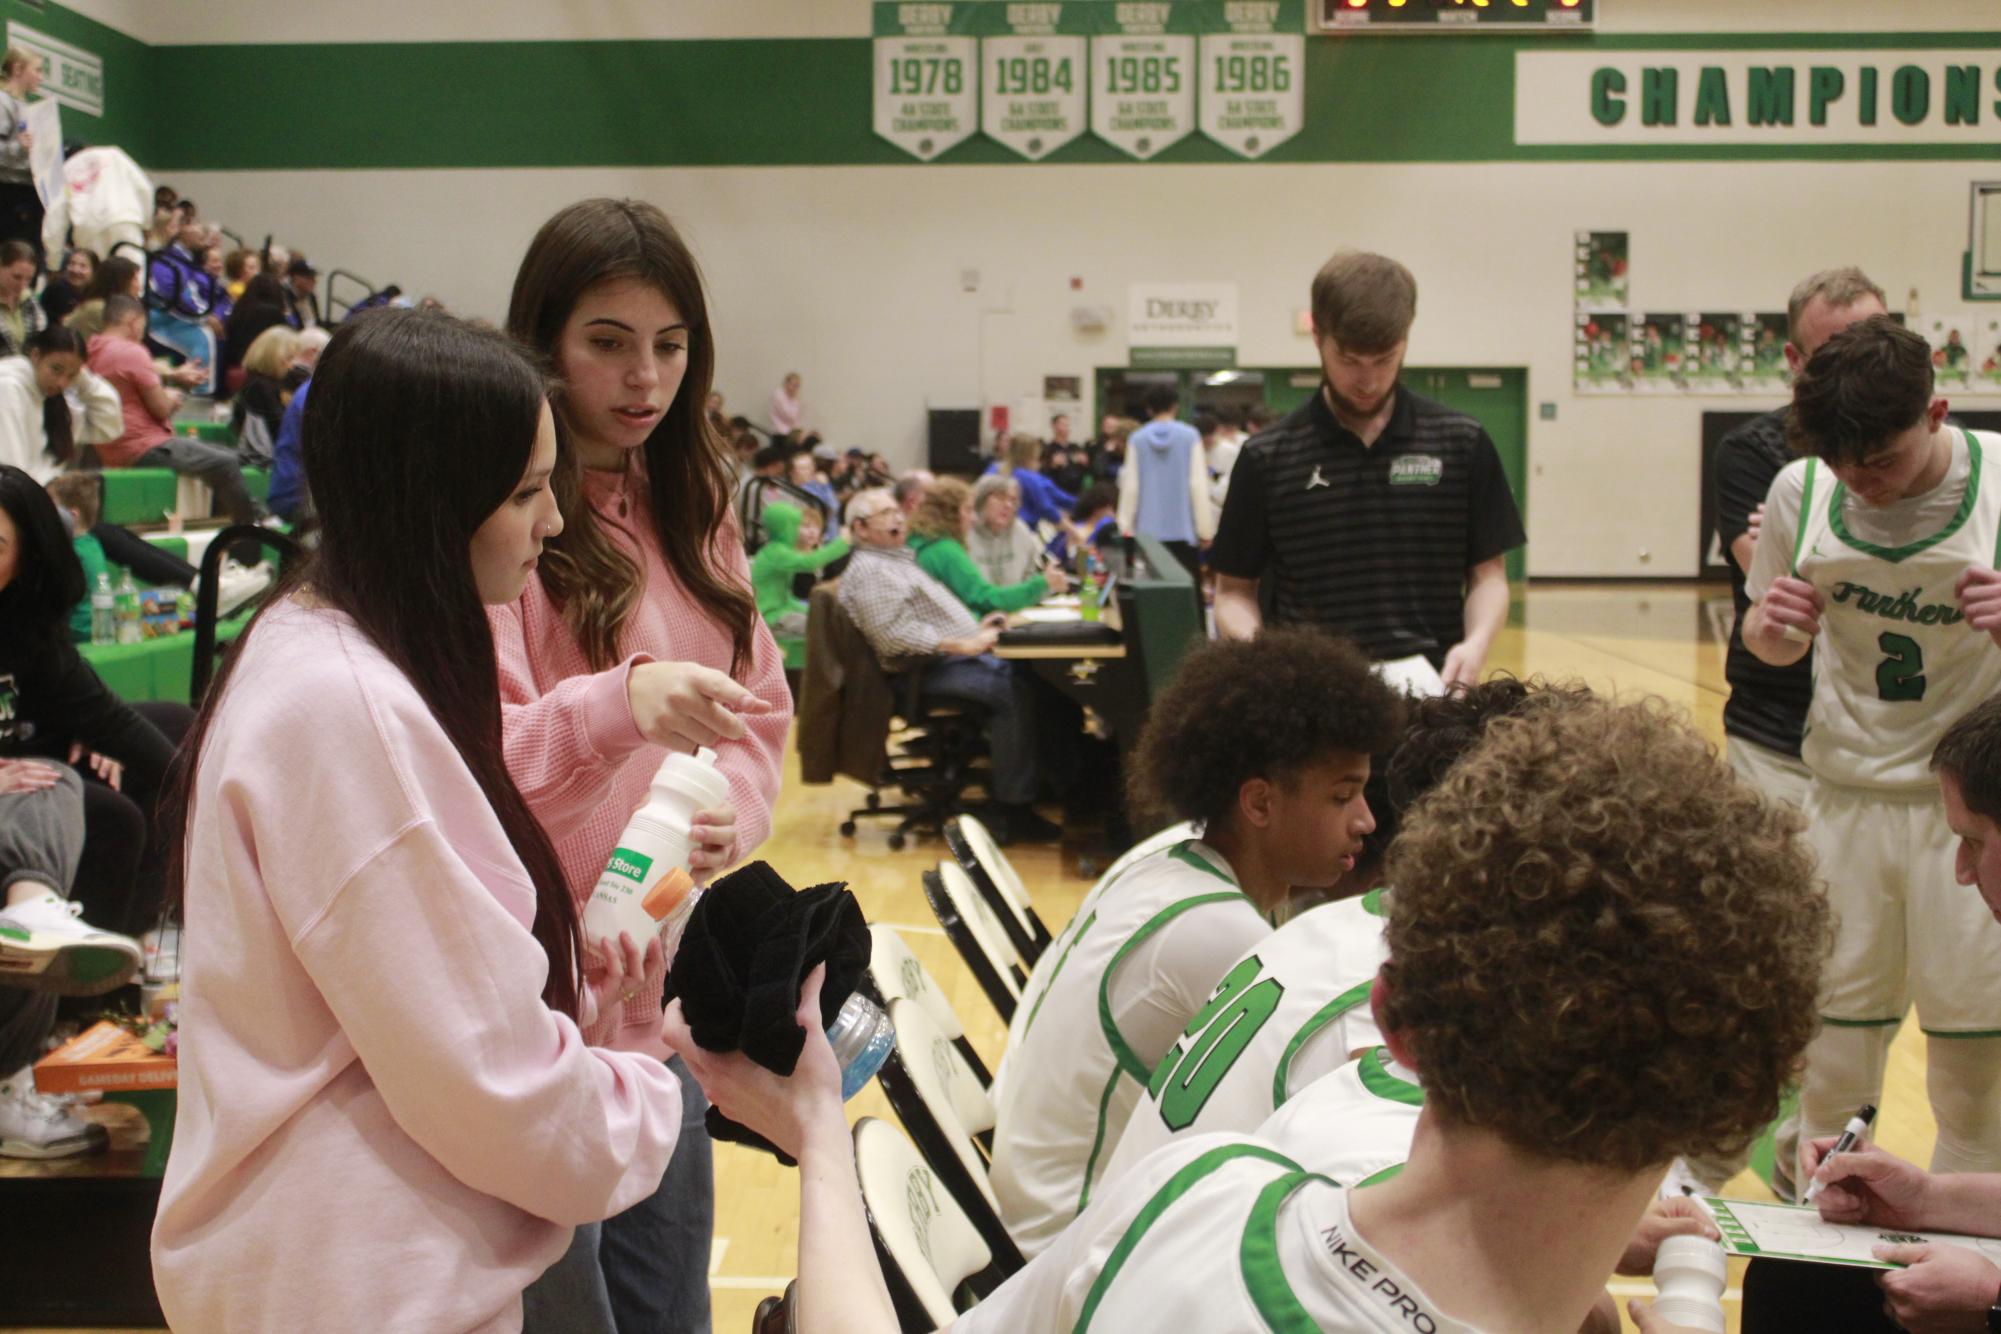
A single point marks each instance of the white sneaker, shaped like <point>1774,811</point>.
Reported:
<point>239,583</point>
<point>34,1126</point>
<point>45,945</point>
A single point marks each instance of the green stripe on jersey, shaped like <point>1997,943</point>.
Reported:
<point>1126,1059</point>
<point>1373,904</point>
<point>1175,1187</point>
<point>1280,1307</point>
<point>1055,973</point>
<point>1185,853</point>
<point>1377,1178</point>
<point>1806,512</point>
<point>1322,1017</point>
<point>1377,1079</point>
<point>1953,525</point>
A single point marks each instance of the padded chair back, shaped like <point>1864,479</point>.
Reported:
<point>1146,847</point>
<point>977,935</point>
<point>938,1071</point>
<point>922,1100</point>
<point>973,847</point>
<point>928,1247</point>
<point>899,975</point>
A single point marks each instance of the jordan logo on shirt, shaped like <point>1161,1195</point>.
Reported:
<point>1317,479</point>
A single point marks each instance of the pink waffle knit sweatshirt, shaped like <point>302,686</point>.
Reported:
<point>381,1124</point>
<point>571,743</point>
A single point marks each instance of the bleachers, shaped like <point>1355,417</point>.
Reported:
<point>143,497</point>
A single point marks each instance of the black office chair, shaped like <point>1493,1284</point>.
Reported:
<point>936,763</point>
<point>208,591</point>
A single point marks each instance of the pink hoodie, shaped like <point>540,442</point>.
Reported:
<point>381,1124</point>
<point>571,742</point>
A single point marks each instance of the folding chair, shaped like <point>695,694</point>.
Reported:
<point>933,1259</point>
<point>950,1119</point>
<point>208,594</point>
<point>896,974</point>
<point>941,1075</point>
<point>974,931</point>
<point>999,883</point>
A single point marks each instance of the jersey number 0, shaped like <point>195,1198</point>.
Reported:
<point>1213,1041</point>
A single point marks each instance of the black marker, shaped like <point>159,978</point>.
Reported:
<point>1857,1127</point>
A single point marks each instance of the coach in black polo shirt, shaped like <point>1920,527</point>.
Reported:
<point>1373,511</point>
<point>1766,711</point>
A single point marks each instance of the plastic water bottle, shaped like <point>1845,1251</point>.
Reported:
<point>646,887</point>
<point>1087,593</point>
<point>862,1036</point>
<point>1689,1272</point>
<point>103,617</point>
<point>125,608</point>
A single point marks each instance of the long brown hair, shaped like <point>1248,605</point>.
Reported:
<point>689,470</point>
<point>942,512</point>
<point>419,426</point>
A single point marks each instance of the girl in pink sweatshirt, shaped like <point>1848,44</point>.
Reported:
<point>640,632</point>
<point>388,1116</point>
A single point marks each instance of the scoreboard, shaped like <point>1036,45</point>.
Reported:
<point>1453,16</point>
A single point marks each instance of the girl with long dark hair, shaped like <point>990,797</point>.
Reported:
<point>382,1071</point>
<point>640,631</point>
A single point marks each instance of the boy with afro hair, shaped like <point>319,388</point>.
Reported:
<point>1265,745</point>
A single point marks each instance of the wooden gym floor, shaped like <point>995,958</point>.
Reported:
<point>1665,640</point>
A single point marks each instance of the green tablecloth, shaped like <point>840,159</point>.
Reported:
<point>153,668</point>
<point>135,497</point>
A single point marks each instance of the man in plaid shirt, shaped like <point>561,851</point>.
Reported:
<point>905,614</point>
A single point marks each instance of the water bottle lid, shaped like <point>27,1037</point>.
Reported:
<point>696,775</point>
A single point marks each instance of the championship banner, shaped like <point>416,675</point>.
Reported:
<point>1253,73</point>
<point>1143,75</point>
<point>1032,74</point>
<point>926,75</point>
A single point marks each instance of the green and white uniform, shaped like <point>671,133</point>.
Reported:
<point>1355,1124</point>
<point>1285,1014</point>
<point>1895,665</point>
<point>1224,1234</point>
<point>1104,1004</point>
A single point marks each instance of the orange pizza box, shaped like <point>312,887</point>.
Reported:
<point>104,1058</point>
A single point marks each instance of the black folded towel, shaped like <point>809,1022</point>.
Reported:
<point>748,947</point>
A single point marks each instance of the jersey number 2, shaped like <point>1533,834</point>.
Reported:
<point>1901,674</point>
<point>1213,1041</point>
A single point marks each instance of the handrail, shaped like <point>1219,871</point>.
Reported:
<point>337,309</point>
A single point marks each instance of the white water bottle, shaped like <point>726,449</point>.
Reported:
<point>1689,1272</point>
<point>646,888</point>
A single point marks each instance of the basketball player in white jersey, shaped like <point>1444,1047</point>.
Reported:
<point>1574,953</point>
<point>1878,549</point>
<point>1297,1005</point>
<point>1267,744</point>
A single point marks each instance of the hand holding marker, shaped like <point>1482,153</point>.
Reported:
<point>1857,1127</point>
